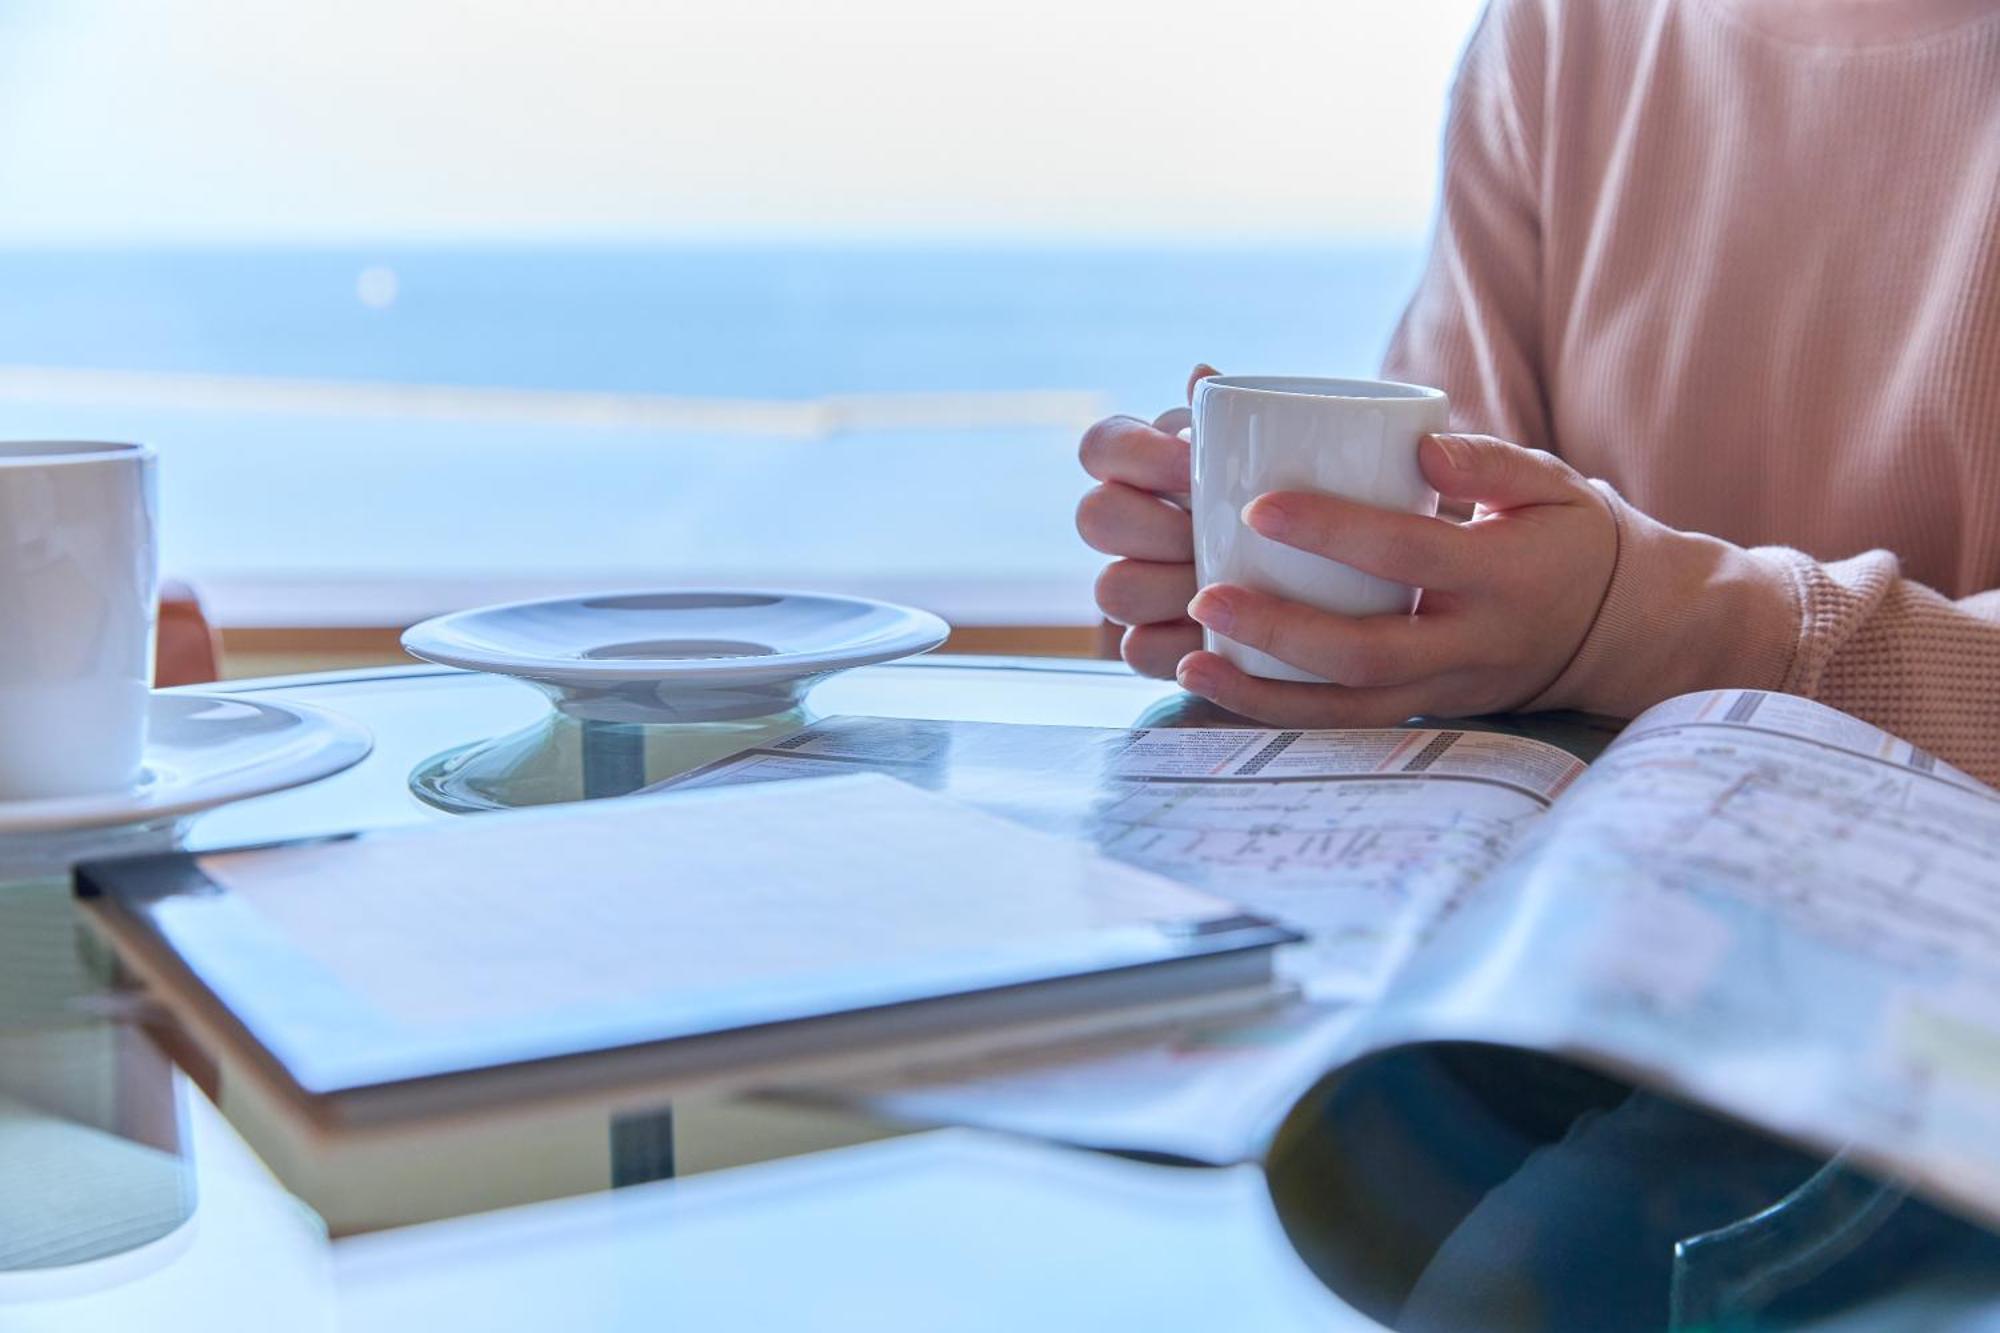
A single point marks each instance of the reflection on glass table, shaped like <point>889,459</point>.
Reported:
<point>560,758</point>
<point>1457,1186</point>
<point>91,1146</point>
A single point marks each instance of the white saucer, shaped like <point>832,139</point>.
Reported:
<point>205,750</point>
<point>685,655</point>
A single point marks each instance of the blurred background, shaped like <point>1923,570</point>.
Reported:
<point>429,302</point>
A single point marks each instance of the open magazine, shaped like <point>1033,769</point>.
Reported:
<point>1748,900</point>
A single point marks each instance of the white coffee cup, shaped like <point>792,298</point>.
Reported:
<point>1352,438</point>
<point>79,590</point>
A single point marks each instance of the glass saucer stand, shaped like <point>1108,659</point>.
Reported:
<point>563,757</point>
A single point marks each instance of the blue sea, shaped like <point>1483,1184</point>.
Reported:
<point>356,416</point>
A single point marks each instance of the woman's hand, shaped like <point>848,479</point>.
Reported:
<point>1138,512</point>
<point>1508,597</point>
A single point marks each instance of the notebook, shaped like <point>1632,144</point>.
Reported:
<point>709,939</point>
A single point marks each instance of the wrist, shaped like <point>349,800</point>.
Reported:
<point>1682,612</point>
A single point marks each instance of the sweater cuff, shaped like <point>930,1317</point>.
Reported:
<point>1683,612</point>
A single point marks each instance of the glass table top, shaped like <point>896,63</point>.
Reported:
<point>107,1151</point>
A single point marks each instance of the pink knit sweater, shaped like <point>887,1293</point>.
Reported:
<point>1740,260</point>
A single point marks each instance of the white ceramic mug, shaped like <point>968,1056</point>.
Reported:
<point>1352,438</point>
<point>79,591</point>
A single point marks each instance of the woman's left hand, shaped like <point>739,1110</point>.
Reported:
<point>1508,596</point>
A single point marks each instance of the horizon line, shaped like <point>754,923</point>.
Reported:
<point>820,416</point>
<point>716,238</point>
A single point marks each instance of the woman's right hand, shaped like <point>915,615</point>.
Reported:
<point>1138,513</point>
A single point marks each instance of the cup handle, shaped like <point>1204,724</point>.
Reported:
<point>1181,498</point>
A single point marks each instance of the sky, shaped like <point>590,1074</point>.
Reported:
<point>338,120</point>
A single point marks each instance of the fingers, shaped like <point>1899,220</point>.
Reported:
<point>1409,548</point>
<point>1174,420</point>
<point>1118,520</point>
<point>1201,372</point>
<point>1288,703</point>
<point>1141,592</point>
<point>1132,453</point>
<point>1495,474</point>
<point>1365,651</point>
<point>1155,650</point>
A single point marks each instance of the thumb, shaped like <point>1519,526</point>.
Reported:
<point>1495,474</point>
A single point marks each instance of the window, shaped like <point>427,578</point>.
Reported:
<point>427,303</point>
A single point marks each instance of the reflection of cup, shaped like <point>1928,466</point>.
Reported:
<point>1352,438</point>
<point>79,585</point>
<point>96,1161</point>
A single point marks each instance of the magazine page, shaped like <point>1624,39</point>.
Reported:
<point>1356,838</point>
<point>1210,1093</point>
<point>1766,906</point>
